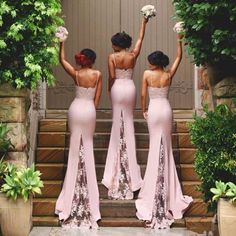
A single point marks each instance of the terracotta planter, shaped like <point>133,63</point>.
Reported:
<point>15,216</point>
<point>226,215</point>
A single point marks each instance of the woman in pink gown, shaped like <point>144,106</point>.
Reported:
<point>160,200</point>
<point>122,173</point>
<point>78,203</point>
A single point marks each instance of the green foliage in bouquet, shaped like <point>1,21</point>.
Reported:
<point>214,136</point>
<point>210,32</point>
<point>28,48</point>
<point>22,182</point>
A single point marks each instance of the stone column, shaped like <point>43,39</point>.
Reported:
<point>204,86</point>
<point>14,104</point>
<point>225,91</point>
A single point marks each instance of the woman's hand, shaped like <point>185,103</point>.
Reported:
<point>145,115</point>
<point>180,36</point>
<point>145,20</point>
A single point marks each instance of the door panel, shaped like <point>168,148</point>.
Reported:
<point>91,23</point>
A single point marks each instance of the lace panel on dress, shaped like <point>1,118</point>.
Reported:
<point>161,217</point>
<point>80,215</point>
<point>121,182</point>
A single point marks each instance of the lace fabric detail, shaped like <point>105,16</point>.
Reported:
<point>124,73</point>
<point>155,92</point>
<point>121,182</point>
<point>80,216</point>
<point>85,93</point>
<point>161,217</point>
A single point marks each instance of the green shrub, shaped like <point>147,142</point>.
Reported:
<point>28,48</point>
<point>214,136</point>
<point>5,142</point>
<point>210,32</point>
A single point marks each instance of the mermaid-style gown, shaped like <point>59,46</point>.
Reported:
<point>122,173</point>
<point>78,203</point>
<point>160,200</point>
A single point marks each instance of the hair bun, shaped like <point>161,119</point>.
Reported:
<point>86,57</point>
<point>158,58</point>
<point>122,40</point>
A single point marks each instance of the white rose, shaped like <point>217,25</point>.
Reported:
<point>179,27</point>
<point>61,33</point>
<point>148,11</point>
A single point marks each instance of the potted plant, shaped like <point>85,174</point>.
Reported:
<point>225,195</point>
<point>214,135</point>
<point>18,185</point>
<point>210,36</point>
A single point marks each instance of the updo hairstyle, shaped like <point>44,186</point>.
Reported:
<point>122,40</point>
<point>158,58</point>
<point>86,57</point>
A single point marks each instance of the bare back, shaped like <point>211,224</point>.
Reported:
<point>157,78</point>
<point>123,60</point>
<point>87,78</point>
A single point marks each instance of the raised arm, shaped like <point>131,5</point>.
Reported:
<point>98,91</point>
<point>66,65</point>
<point>144,95</point>
<point>178,59</point>
<point>138,45</point>
<point>111,70</point>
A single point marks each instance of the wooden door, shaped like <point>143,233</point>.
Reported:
<point>91,23</point>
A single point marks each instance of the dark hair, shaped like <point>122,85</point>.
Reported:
<point>122,40</point>
<point>158,58</point>
<point>86,57</point>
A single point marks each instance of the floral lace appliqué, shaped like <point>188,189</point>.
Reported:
<point>161,218</point>
<point>121,182</point>
<point>80,215</point>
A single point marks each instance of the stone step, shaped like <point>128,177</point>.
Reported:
<point>114,208</point>
<point>186,172</point>
<point>52,189</point>
<point>60,155</point>
<point>199,224</point>
<point>107,114</point>
<point>57,171</point>
<point>101,140</point>
<point>104,125</point>
<point>104,222</point>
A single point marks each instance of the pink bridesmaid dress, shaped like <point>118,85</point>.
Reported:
<point>160,200</point>
<point>78,203</point>
<point>122,173</point>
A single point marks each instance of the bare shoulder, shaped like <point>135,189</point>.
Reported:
<point>110,55</point>
<point>168,74</point>
<point>147,73</point>
<point>98,73</point>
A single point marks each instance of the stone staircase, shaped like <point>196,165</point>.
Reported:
<point>51,160</point>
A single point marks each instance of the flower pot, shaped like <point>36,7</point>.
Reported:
<point>226,215</point>
<point>15,216</point>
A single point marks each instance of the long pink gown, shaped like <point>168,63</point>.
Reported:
<point>122,173</point>
<point>160,200</point>
<point>78,203</point>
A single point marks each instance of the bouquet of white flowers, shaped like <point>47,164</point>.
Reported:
<point>61,33</point>
<point>148,11</point>
<point>179,27</point>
